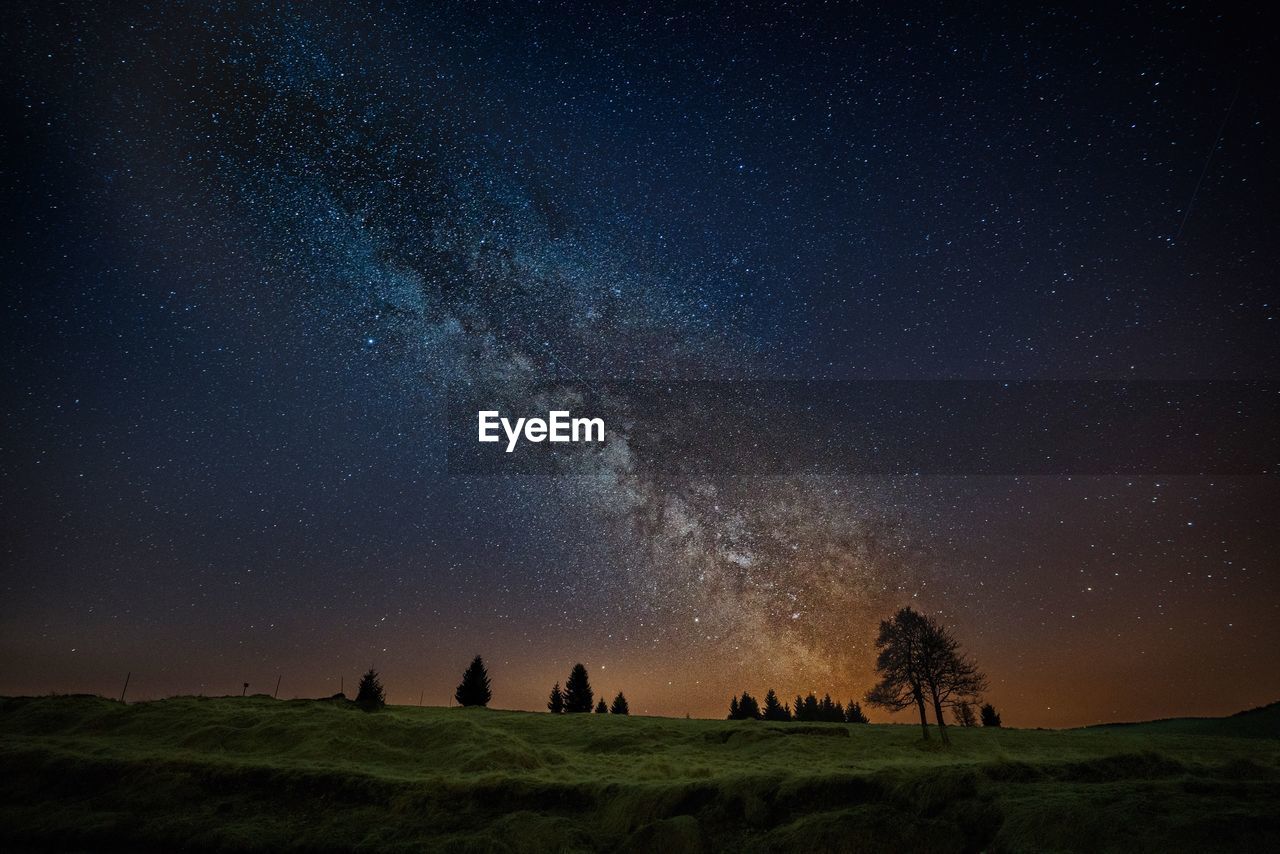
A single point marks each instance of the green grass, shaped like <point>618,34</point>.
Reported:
<point>255,774</point>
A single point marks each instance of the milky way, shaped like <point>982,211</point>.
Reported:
<point>458,265</point>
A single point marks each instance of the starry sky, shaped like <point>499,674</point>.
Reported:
<point>248,250</point>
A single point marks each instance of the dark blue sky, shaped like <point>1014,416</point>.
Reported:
<point>246,250</point>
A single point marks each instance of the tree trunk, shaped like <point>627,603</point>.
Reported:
<point>942,724</point>
<point>924,718</point>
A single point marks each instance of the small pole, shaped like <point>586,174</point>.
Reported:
<point>126,685</point>
<point>342,685</point>
<point>245,689</point>
<point>277,690</point>
<point>420,696</point>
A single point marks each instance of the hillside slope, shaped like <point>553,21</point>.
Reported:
<point>254,774</point>
<point>1262,722</point>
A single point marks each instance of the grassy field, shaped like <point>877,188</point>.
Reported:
<point>255,774</point>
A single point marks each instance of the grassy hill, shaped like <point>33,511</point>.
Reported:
<point>1262,722</point>
<point>255,774</point>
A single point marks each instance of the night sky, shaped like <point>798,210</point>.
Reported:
<point>246,251</point>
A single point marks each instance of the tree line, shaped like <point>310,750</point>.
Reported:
<point>476,690</point>
<point>576,697</point>
<point>920,664</point>
<point>810,708</point>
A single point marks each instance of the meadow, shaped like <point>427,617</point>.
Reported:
<point>256,774</point>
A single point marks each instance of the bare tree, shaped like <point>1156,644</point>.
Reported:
<point>964,715</point>
<point>948,675</point>
<point>898,663</point>
<point>920,660</point>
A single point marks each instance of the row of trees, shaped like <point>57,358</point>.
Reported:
<point>577,696</point>
<point>920,664</point>
<point>476,690</point>
<point>809,708</point>
<point>919,661</point>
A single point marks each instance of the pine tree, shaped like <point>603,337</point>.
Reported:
<point>735,713</point>
<point>370,695</point>
<point>602,708</point>
<point>474,688</point>
<point>578,696</point>
<point>837,716</point>
<point>854,714</point>
<point>555,704</point>
<point>812,711</point>
<point>773,710</point>
<point>619,706</point>
<point>990,717</point>
<point>797,711</point>
<point>748,707</point>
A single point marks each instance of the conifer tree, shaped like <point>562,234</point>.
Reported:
<point>474,688</point>
<point>797,711</point>
<point>773,710</point>
<point>812,711</point>
<point>990,717</point>
<point>748,707</point>
<point>602,708</point>
<point>555,703</point>
<point>620,706</point>
<point>734,712</point>
<point>854,714</point>
<point>578,696</point>
<point>370,696</point>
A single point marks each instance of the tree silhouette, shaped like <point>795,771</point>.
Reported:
<point>555,703</point>
<point>773,710</point>
<point>990,717</point>
<point>919,661</point>
<point>964,715</point>
<point>854,714</point>
<point>898,663</point>
<point>619,706</point>
<point>578,696</point>
<point>744,708</point>
<point>602,708</point>
<point>797,711</point>
<point>370,696</point>
<point>829,711</point>
<point>474,688</point>
<point>949,676</point>
<point>812,709</point>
